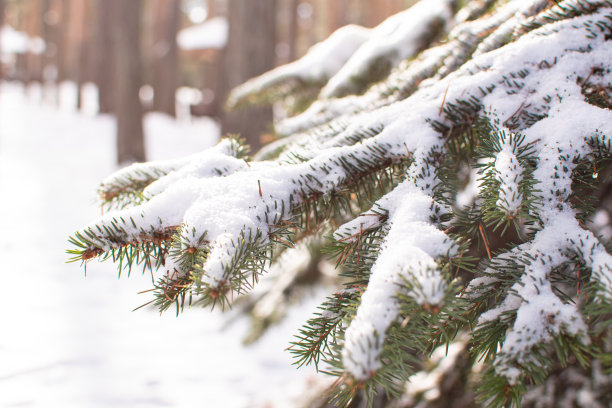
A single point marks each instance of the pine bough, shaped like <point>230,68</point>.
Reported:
<point>456,156</point>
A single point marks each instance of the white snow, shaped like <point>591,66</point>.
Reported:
<point>262,193</point>
<point>429,384</point>
<point>510,16</point>
<point>557,139</point>
<point>320,62</point>
<point>509,174</point>
<point>234,208</point>
<point>397,38</point>
<point>570,120</point>
<point>215,161</point>
<point>405,264</point>
<point>211,34</point>
<point>72,341</point>
<point>326,58</point>
<point>438,60</point>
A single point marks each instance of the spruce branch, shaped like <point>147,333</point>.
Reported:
<point>460,187</point>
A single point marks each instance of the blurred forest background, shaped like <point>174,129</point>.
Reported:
<point>180,57</point>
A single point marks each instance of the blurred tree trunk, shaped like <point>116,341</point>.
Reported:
<point>34,22</point>
<point>52,34</point>
<point>293,29</point>
<point>86,59</point>
<point>45,8</point>
<point>381,9</point>
<point>338,14</point>
<point>1,24</point>
<point>103,56</point>
<point>250,52</point>
<point>216,8</point>
<point>127,79</point>
<point>165,55</point>
<point>76,44</point>
<point>61,12</point>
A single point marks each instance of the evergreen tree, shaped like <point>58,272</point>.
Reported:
<point>455,160</point>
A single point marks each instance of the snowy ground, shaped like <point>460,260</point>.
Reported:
<point>70,341</point>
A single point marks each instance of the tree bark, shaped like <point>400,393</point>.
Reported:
<point>103,58</point>
<point>165,55</point>
<point>1,24</point>
<point>337,14</point>
<point>75,41</point>
<point>381,9</point>
<point>34,25</point>
<point>62,8</point>
<point>127,80</point>
<point>293,29</point>
<point>250,52</point>
<point>52,34</point>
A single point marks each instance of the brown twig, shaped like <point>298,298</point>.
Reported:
<point>484,238</point>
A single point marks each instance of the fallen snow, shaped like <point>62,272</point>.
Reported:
<point>70,341</point>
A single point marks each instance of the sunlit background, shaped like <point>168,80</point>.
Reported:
<point>88,86</point>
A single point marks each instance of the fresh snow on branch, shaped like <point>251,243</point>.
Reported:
<point>398,37</point>
<point>320,63</point>
<point>522,92</point>
<point>405,264</point>
<point>509,174</point>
